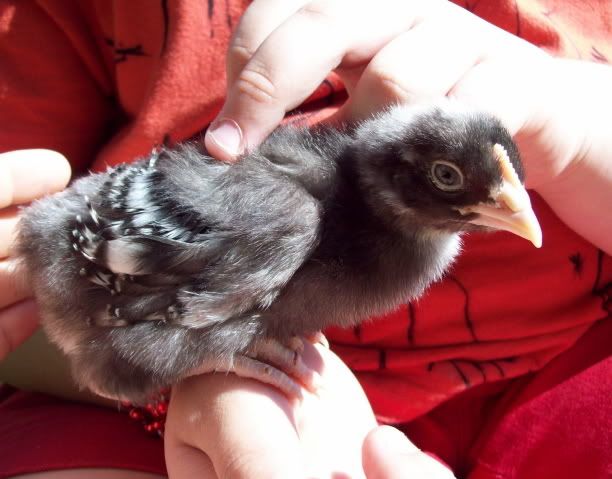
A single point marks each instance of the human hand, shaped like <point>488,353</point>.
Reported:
<point>230,427</point>
<point>225,426</point>
<point>388,52</point>
<point>24,176</point>
<point>412,51</point>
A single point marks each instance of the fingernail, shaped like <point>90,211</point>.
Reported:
<point>227,135</point>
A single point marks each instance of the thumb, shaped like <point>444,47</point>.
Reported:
<point>388,454</point>
<point>281,74</point>
<point>256,104</point>
<point>29,174</point>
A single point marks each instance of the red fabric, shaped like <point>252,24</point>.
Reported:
<point>104,81</point>
<point>554,423</point>
<point>42,433</point>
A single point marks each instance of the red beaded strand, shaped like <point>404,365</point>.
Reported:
<point>152,415</point>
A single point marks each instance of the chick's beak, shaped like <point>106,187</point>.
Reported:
<point>504,215</point>
<point>512,209</point>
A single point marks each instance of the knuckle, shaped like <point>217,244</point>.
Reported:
<point>395,91</point>
<point>389,86</point>
<point>256,83</point>
<point>317,8</point>
<point>240,465</point>
<point>321,11</point>
<point>240,52</point>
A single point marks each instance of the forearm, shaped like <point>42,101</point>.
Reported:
<point>581,194</point>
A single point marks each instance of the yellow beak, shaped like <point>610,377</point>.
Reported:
<point>512,210</point>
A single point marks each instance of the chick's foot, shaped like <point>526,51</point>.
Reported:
<point>272,362</point>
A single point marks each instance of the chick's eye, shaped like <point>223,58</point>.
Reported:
<point>446,176</point>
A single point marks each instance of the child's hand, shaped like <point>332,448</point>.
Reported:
<point>24,176</point>
<point>388,51</point>
<point>241,428</point>
<point>225,426</point>
<point>409,51</point>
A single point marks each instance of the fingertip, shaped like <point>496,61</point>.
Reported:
<point>62,167</point>
<point>52,162</point>
<point>387,452</point>
<point>29,174</point>
<point>389,439</point>
<point>240,127</point>
<point>58,160</point>
<point>224,140</point>
<point>381,449</point>
<point>6,191</point>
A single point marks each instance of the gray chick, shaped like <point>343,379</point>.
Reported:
<point>178,264</point>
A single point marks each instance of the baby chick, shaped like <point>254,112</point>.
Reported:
<point>178,264</point>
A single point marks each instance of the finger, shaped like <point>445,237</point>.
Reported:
<point>247,430</point>
<point>29,174</point>
<point>414,67</point>
<point>388,454</point>
<point>334,422</point>
<point>8,229</point>
<point>257,22</point>
<point>484,85</point>
<point>294,59</point>
<point>268,86</point>
<point>13,284</point>
<point>186,462</point>
<point>17,323</point>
